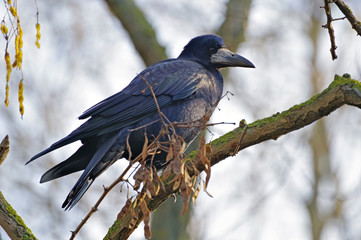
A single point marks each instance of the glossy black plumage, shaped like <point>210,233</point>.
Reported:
<point>187,88</point>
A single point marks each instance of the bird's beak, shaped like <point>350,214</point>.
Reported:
<point>225,58</point>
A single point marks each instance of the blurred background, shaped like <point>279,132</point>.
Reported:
<point>305,185</point>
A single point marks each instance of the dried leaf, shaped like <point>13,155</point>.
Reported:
<point>125,209</point>
<point>146,214</point>
<point>177,165</point>
<point>148,193</point>
<point>201,157</point>
<point>177,182</point>
<point>160,183</point>
<point>134,219</point>
<point>167,172</point>
<point>185,194</point>
<point>145,147</point>
<point>128,149</point>
<point>195,194</point>
<point>170,154</point>
<point>140,176</point>
<point>187,179</point>
<point>150,189</point>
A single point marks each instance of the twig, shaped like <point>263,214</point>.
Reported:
<point>236,150</point>
<point>331,31</point>
<point>356,24</point>
<point>155,99</point>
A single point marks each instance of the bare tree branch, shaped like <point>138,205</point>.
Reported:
<point>139,29</point>
<point>343,90</point>
<point>356,24</point>
<point>12,223</point>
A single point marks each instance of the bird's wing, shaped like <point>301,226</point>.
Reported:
<point>171,80</point>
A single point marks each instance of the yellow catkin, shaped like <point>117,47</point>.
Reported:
<point>20,37</point>
<point>9,2</point>
<point>8,66</point>
<point>17,50</point>
<point>7,95</point>
<point>4,29</point>
<point>13,11</point>
<point>21,97</point>
<point>38,35</point>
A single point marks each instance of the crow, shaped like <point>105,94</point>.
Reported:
<point>186,89</point>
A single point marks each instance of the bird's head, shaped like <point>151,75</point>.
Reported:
<point>210,50</point>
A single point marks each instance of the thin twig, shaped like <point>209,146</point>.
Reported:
<point>155,99</point>
<point>331,31</point>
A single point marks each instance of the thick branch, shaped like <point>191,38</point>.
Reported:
<point>13,225</point>
<point>233,28</point>
<point>349,15</point>
<point>342,90</point>
<point>139,29</point>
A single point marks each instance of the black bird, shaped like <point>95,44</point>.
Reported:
<point>187,89</point>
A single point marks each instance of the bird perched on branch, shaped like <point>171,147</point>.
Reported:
<point>183,90</point>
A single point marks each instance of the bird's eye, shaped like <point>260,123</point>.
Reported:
<point>212,50</point>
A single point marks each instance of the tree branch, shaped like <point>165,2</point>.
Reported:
<point>343,90</point>
<point>233,28</point>
<point>139,29</point>
<point>12,223</point>
<point>356,24</point>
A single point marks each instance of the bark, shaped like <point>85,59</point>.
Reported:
<point>13,225</point>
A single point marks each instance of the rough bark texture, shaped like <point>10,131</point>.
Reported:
<point>343,90</point>
<point>13,225</point>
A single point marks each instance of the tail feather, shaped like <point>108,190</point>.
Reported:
<point>76,162</point>
<point>104,156</point>
<point>77,192</point>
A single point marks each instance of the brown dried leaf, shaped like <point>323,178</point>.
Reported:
<point>150,189</point>
<point>140,176</point>
<point>125,209</point>
<point>134,219</point>
<point>170,154</point>
<point>201,156</point>
<point>177,165</point>
<point>167,172</point>
<point>160,183</point>
<point>177,182</point>
<point>187,179</point>
<point>146,214</point>
<point>185,194</point>
<point>129,149</point>
<point>147,232</point>
<point>145,147</point>
<point>195,194</point>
